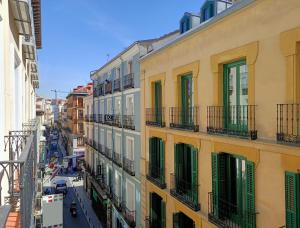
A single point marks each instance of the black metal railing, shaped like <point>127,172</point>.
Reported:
<point>156,174</point>
<point>117,85</point>
<point>108,152</point>
<point>128,166</point>
<point>185,192</point>
<point>225,214</point>
<point>288,123</point>
<point>128,81</point>
<point>109,119</point>
<point>186,119</point>
<point>129,215</point>
<point>117,201</point>
<point>155,117</point>
<point>117,121</point>
<point>117,158</point>
<point>108,88</point>
<point>128,122</point>
<point>238,120</point>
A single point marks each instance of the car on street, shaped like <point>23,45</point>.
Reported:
<point>60,186</point>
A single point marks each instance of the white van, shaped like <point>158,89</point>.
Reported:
<point>60,186</point>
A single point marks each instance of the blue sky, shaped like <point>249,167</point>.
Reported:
<point>77,35</point>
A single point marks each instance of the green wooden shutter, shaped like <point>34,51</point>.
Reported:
<point>194,166</point>
<point>215,184</point>
<point>176,220</point>
<point>150,207</point>
<point>163,213</point>
<point>176,150</point>
<point>162,160</point>
<point>292,200</point>
<point>150,156</point>
<point>250,195</point>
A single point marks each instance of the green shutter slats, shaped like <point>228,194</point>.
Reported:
<point>215,183</point>
<point>176,220</point>
<point>150,207</point>
<point>250,195</point>
<point>194,166</point>
<point>292,200</point>
<point>162,160</point>
<point>163,214</point>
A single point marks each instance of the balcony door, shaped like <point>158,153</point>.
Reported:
<point>130,148</point>
<point>236,95</point>
<point>157,209</point>
<point>118,143</point>
<point>130,196</point>
<point>158,101</point>
<point>157,158</point>
<point>129,105</point>
<point>117,105</point>
<point>186,99</point>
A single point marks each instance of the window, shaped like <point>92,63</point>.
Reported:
<point>292,199</point>
<point>118,73</point>
<point>117,105</point>
<point>129,67</point>
<point>130,148</point>
<point>108,140</point>
<point>186,99</point>
<point>102,107</point>
<point>236,94</point>
<point>109,180</point>
<point>158,100</point>
<point>207,11</point>
<point>109,106</point>
<point>130,105</point>
<point>118,183</point>
<point>185,24</point>
<point>157,159</point>
<point>157,209</point>
<point>233,189</point>
<point>102,136</point>
<point>118,143</point>
<point>130,196</point>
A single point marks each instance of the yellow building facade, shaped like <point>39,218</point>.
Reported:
<point>220,117</point>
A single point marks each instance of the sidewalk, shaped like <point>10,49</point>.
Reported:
<point>86,205</point>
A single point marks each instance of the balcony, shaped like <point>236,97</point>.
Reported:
<point>117,159</point>
<point>156,175</point>
<point>185,192</point>
<point>128,81</point>
<point>117,85</point>
<point>226,215</point>
<point>128,122</point>
<point>108,87</point>
<point>288,123</point>
<point>128,166</point>
<point>109,119</point>
<point>129,215</point>
<point>155,117</point>
<point>117,202</point>
<point>237,120</point>
<point>117,121</point>
<point>108,153</point>
<point>185,119</point>
<point>100,118</point>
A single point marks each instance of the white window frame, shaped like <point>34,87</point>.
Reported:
<point>118,179</point>
<point>109,107</point>
<point>129,138</point>
<point>130,198</point>
<point>118,135</point>
<point>109,139</point>
<point>127,102</point>
<point>118,99</point>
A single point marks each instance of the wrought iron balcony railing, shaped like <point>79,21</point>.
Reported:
<point>227,215</point>
<point>155,117</point>
<point>117,158</point>
<point>185,192</point>
<point>186,119</point>
<point>288,123</point>
<point>108,152</point>
<point>156,175</point>
<point>128,81</point>
<point>117,121</point>
<point>117,201</point>
<point>128,166</point>
<point>20,171</point>
<point>108,88</point>
<point>238,120</point>
<point>129,215</point>
<point>128,122</point>
<point>117,85</point>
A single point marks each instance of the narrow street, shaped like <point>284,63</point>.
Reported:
<point>68,221</point>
